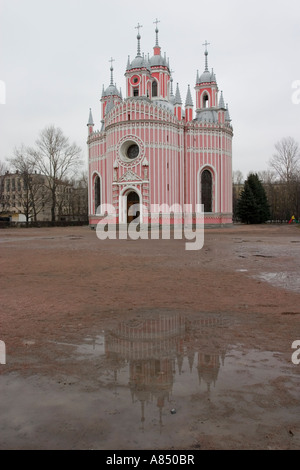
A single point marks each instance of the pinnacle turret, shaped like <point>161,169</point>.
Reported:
<point>189,101</point>
<point>227,115</point>
<point>177,96</point>
<point>90,121</point>
<point>221,101</point>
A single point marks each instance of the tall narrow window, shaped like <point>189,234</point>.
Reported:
<point>135,92</point>
<point>205,101</point>
<point>154,88</point>
<point>206,190</point>
<point>97,189</point>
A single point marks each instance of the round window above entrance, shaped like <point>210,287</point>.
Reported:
<point>129,151</point>
<point>133,151</point>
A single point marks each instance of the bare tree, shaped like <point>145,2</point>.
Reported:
<point>286,160</point>
<point>3,174</point>
<point>267,177</point>
<point>237,187</point>
<point>30,188</point>
<point>237,177</point>
<point>55,158</point>
<point>286,164</point>
<point>80,197</point>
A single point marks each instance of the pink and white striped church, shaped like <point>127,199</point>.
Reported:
<point>152,151</point>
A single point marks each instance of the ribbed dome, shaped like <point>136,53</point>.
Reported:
<point>111,90</point>
<point>205,77</point>
<point>137,63</point>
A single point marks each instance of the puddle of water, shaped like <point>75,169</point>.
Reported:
<point>286,280</point>
<point>92,347</point>
<point>159,382</point>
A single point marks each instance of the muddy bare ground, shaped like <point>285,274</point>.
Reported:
<point>126,344</point>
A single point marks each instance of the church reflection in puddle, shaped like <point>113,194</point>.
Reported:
<point>166,352</point>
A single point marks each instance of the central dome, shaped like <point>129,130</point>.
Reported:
<point>139,63</point>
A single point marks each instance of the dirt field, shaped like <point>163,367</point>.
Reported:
<point>125,344</point>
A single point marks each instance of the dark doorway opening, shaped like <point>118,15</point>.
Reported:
<point>206,190</point>
<point>132,198</point>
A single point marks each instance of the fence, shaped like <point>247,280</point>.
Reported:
<point>64,223</point>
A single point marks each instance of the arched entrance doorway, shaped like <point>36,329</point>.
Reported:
<point>206,190</point>
<point>132,198</point>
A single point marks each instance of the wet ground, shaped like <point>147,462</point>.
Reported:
<point>126,344</point>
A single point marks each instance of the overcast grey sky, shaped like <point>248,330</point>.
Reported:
<point>54,59</point>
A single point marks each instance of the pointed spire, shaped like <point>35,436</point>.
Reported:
<point>213,76</point>
<point>177,96</point>
<point>171,80</point>
<point>172,92</point>
<point>221,101</point>
<point>111,72</point>
<point>227,115</point>
<point>91,121</point>
<point>172,97</point>
<point>139,40</point>
<point>189,101</point>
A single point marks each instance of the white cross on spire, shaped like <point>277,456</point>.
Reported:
<point>138,27</point>
<point>156,22</point>
<point>206,44</point>
<point>206,54</point>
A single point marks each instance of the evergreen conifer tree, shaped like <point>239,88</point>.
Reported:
<point>253,207</point>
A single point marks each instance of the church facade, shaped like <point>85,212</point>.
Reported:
<point>154,152</point>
